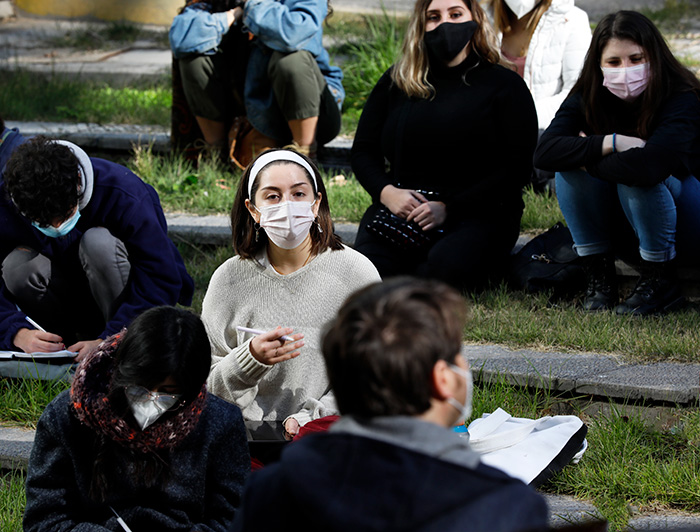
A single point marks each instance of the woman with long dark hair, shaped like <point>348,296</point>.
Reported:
<point>138,438</point>
<point>290,275</point>
<point>458,131</point>
<point>626,148</point>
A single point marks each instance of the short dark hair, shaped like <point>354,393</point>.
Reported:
<point>160,343</point>
<point>245,243</point>
<point>381,349</point>
<point>42,180</point>
<point>2,124</point>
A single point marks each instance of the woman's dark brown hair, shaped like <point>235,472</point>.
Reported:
<point>243,227</point>
<point>666,73</point>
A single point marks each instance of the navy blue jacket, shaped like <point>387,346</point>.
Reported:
<point>131,211</point>
<point>343,482</point>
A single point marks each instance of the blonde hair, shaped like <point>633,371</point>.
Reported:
<point>410,73</point>
<point>502,16</point>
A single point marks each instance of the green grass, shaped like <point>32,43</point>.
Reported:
<point>675,16</point>
<point>518,319</point>
<point>23,400</point>
<point>629,464</point>
<point>12,501</point>
<point>368,57</point>
<point>29,96</point>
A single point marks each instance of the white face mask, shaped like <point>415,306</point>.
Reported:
<point>521,7</point>
<point>148,406</point>
<point>287,224</point>
<point>466,408</point>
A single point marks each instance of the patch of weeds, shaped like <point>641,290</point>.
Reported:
<point>503,316</point>
<point>184,186</point>
<point>367,60</point>
<point>23,400</point>
<point>541,211</point>
<point>630,465</point>
<point>201,262</point>
<point>347,199</point>
<point>675,17</point>
<point>12,501</point>
<point>30,96</point>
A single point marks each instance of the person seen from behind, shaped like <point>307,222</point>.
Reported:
<point>392,461</point>
<point>626,148</point>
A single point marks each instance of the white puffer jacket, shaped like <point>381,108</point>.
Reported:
<point>555,56</point>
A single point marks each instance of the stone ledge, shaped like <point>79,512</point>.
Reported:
<point>588,374</point>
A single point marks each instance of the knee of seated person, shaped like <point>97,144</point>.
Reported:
<point>98,247</point>
<point>196,69</point>
<point>289,66</point>
<point>26,273</point>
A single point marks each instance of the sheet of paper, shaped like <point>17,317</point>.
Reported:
<point>19,355</point>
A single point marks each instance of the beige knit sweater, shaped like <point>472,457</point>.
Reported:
<point>250,294</point>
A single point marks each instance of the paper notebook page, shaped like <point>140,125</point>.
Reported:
<point>39,355</point>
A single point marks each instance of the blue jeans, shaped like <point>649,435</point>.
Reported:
<point>663,216</point>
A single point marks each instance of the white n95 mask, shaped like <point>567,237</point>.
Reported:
<point>521,7</point>
<point>288,223</point>
<point>147,406</point>
<point>466,408</point>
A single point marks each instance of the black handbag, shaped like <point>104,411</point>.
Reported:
<point>549,262</point>
<point>401,233</point>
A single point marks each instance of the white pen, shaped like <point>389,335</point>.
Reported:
<point>120,520</point>
<point>35,324</point>
<point>256,331</point>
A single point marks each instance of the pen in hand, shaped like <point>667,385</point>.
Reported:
<point>36,325</point>
<point>257,331</point>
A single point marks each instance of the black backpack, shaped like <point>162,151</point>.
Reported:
<point>549,262</point>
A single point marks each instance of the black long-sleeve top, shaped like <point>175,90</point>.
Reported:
<point>673,148</point>
<point>472,142</point>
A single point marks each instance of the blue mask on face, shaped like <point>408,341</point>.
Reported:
<point>63,229</point>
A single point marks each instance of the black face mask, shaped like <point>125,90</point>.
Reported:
<point>448,39</point>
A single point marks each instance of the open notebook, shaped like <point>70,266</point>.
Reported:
<point>57,356</point>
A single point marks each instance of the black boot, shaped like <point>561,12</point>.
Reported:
<point>601,293</point>
<point>657,291</point>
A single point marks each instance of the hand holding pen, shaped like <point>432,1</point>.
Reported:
<point>277,345</point>
<point>37,339</point>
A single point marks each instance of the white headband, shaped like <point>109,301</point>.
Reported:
<point>278,155</point>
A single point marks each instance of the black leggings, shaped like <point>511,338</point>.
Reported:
<point>471,252</point>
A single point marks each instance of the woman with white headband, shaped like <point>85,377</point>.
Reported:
<point>289,277</point>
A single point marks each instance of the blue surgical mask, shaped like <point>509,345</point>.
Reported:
<point>63,229</point>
